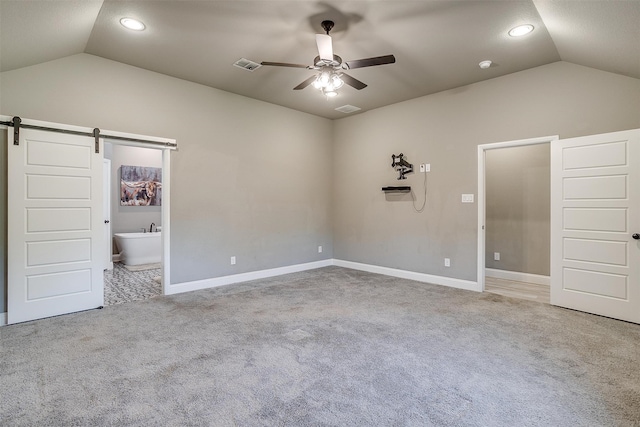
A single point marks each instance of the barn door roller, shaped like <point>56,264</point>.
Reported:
<point>96,135</point>
<point>16,130</point>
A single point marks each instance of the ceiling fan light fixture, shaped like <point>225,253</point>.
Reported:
<point>336,81</point>
<point>329,66</point>
<point>328,81</point>
<point>324,78</point>
<point>132,24</point>
<point>521,30</point>
<point>329,93</point>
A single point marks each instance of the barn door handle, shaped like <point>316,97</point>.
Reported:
<point>636,236</point>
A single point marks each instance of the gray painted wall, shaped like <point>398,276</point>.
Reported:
<point>518,208</point>
<point>269,185</point>
<point>250,179</point>
<point>444,130</point>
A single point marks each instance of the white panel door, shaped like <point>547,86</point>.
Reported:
<point>595,222</point>
<point>55,225</point>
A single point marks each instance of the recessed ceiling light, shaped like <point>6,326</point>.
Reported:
<point>521,30</point>
<point>484,64</point>
<point>132,24</point>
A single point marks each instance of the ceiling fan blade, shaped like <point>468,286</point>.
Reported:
<point>283,64</point>
<point>305,83</point>
<point>325,47</point>
<point>355,83</point>
<point>370,62</point>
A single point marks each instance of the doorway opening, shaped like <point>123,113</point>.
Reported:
<point>134,220</point>
<point>514,218</point>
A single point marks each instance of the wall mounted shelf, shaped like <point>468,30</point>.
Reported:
<point>402,189</point>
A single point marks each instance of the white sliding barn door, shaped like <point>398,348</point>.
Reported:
<point>595,213</point>
<point>55,225</point>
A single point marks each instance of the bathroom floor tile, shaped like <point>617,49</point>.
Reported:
<point>122,285</point>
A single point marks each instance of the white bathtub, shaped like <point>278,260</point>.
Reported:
<point>139,248</point>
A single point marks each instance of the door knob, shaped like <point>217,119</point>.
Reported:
<point>106,221</point>
<point>636,236</point>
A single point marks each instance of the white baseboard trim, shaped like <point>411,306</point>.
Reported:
<point>411,275</point>
<point>244,277</point>
<point>263,274</point>
<point>518,276</point>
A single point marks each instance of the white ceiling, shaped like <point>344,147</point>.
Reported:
<point>437,44</point>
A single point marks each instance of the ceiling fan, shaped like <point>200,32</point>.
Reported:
<point>331,76</point>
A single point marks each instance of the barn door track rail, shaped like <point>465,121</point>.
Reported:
<point>16,123</point>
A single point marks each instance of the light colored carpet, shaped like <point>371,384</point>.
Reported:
<point>329,347</point>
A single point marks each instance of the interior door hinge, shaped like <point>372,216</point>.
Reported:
<point>16,130</point>
<point>96,135</point>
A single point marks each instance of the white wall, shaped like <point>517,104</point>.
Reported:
<point>444,130</point>
<point>250,179</point>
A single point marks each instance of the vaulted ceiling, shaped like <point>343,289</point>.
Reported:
<point>437,44</point>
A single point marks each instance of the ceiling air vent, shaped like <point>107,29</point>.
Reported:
<point>348,109</point>
<point>247,64</point>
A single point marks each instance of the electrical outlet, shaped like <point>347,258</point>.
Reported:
<point>496,256</point>
<point>427,167</point>
<point>467,198</point>
<point>422,167</point>
<point>233,260</point>
<point>319,249</point>
<point>447,262</point>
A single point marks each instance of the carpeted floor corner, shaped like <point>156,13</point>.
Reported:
<point>328,347</point>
